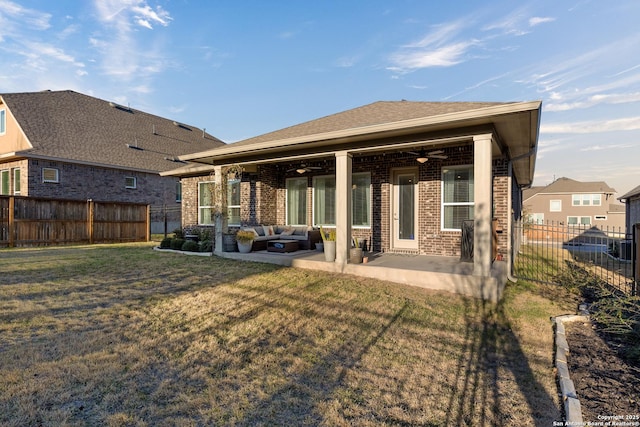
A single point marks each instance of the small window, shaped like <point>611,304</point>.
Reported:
<point>130,182</point>
<point>178,192</point>
<point>4,182</point>
<point>16,181</point>
<point>233,202</point>
<point>597,201</point>
<point>555,206</point>
<point>600,217</point>
<point>50,175</point>
<point>3,121</point>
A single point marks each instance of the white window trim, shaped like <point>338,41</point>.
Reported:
<point>13,175</point>
<point>3,121</point>
<point>579,218</point>
<point>313,199</point>
<point>442,202</point>
<point>57,178</point>
<point>364,227</point>
<point>230,206</point>
<point>8,174</point>
<point>135,182</point>
<point>286,205</point>
<point>178,192</point>
<point>200,207</point>
<point>600,218</point>
<point>591,197</point>
<point>551,202</point>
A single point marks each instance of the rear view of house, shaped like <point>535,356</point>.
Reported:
<point>404,176</point>
<point>63,144</point>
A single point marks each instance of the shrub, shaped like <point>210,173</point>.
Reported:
<point>190,246</point>
<point>177,244</point>
<point>206,246</point>
<point>166,243</point>
<point>178,233</point>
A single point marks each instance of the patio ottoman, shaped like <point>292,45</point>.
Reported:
<point>282,246</point>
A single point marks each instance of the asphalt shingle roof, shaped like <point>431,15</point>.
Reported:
<point>568,185</point>
<point>377,113</point>
<point>71,126</point>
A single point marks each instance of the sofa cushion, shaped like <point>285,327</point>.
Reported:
<point>259,230</point>
<point>293,237</point>
<point>268,230</point>
<point>288,231</point>
<point>300,231</point>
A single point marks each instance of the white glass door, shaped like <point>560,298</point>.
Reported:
<point>404,212</point>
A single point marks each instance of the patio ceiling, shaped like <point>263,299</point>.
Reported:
<point>514,126</point>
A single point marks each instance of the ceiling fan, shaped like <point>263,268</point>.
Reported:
<point>303,168</point>
<point>423,156</point>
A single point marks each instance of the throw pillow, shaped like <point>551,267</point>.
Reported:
<point>268,230</point>
<point>287,231</point>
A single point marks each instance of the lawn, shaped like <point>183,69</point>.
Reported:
<point>123,335</point>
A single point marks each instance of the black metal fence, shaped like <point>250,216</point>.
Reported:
<point>541,250</point>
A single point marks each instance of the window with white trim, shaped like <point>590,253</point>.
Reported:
<point>361,200</point>
<point>3,121</point>
<point>457,196</point>
<point>555,206</point>
<point>233,202</point>
<point>586,199</point>
<point>579,220</point>
<point>324,200</point>
<point>600,217</point>
<point>5,185</point>
<point>535,218</point>
<point>296,201</point>
<point>50,175</point>
<point>16,181</point>
<point>205,203</point>
<point>130,182</point>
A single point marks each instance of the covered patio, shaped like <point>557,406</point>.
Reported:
<point>424,271</point>
<point>427,168</point>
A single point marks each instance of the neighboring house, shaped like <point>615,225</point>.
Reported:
<point>631,201</point>
<point>569,202</point>
<point>403,175</point>
<point>63,144</point>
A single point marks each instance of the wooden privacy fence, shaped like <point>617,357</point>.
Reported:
<point>32,221</point>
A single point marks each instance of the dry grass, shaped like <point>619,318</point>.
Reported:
<point>121,335</point>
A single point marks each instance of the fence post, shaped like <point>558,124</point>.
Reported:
<point>90,221</point>
<point>12,204</point>
<point>149,223</point>
<point>636,259</point>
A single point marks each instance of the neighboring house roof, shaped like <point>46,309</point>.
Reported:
<point>566,185</point>
<point>633,193</point>
<point>69,126</point>
<point>516,123</point>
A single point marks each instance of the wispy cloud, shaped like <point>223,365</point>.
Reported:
<point>606,147</point>
<point>591,101</point>
<point>442,47</point>
<point>537,20</point>
<point>586,127</point>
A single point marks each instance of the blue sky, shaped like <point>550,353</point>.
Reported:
<point>243,68</point>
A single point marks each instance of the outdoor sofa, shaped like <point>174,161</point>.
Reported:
<point>307,237</point>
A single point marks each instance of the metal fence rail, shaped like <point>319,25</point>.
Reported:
<point>545,249</point>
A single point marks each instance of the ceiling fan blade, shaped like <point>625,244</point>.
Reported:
<point>413,153</point>
<point>433,153</point>
<point>436,156</point>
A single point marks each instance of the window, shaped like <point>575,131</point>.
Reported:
<point>586,199</point>
<point>600,217</point>
<point>50,175</point>
<point>205,203</point>
<point>4,182</point>
<point>361,199</point>
<point>16,181</point>
<point>324,200</point>
<point>579,220</point>
<point>233,201</point>
<point>3,121</point>
<point>555,206</point>
<point>130,182</point>
<point>297,201</point>
<point>535,218</point>
<point>178,192</point>
<point>457,197</point>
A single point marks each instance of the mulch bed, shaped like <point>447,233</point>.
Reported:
<point>606,385</point>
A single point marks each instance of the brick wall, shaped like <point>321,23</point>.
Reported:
<point>267,189</point>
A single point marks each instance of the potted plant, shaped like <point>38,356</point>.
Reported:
<point>329,243</point>
<point>245,241</point>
